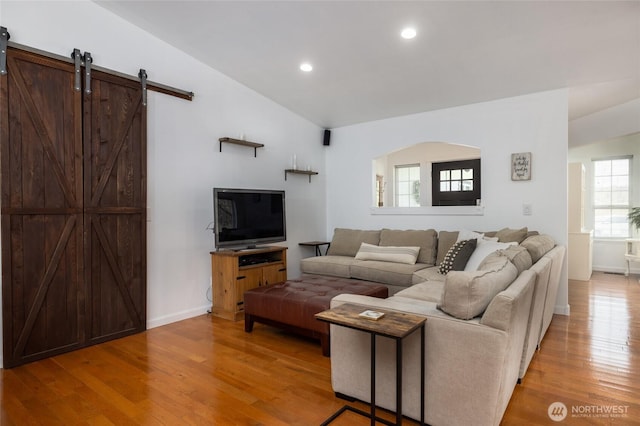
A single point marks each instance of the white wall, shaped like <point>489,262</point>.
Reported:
<point>534,123</point>
<point>183,159</point>
<point>608,254</point>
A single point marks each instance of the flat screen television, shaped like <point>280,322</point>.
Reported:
<point>244,218</point>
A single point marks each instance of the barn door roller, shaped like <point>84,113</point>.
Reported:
<point>143,80</point>
<point>79,61</point>
<point>4,38</point>
<point>87,72</point>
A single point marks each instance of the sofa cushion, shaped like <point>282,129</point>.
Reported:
<point>427,274</point>
<point>467,294</point>
<point>427,240</point>
<point>398,274</point>
<point>335,266</point>
<point>445,240</point>
<point>507,235</point>
<point>346,242</point>
<point>430,291</point>
<point>494,262</point>
<point>396,254</point>
<point>538,246</point>
<point>519,256</point>
<point>483,249</point>
<point>457,256</point>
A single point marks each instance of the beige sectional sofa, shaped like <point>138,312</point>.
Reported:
<point>341,258</point>
<point>483,324</point>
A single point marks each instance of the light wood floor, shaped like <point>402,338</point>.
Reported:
<point>209,371</point>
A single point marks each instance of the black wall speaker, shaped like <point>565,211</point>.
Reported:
<point>327,137</point>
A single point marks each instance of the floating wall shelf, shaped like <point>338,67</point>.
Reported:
<point>299,172</point>
<point>253,145</point>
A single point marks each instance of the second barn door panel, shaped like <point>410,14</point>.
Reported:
<point>115,207</point>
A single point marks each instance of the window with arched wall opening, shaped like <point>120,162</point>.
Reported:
<point>407,177</point>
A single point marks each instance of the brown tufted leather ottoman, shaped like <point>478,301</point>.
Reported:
<point>292,305</point>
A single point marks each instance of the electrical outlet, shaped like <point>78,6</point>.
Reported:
<point>527,209</point>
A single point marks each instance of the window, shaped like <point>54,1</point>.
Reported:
<point>456,183</point>
<point>611,197</point>
<point>407,181</point>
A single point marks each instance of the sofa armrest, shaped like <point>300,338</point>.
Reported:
<point>471,368</point>
<point>514,300</point>
<point>557,256</point>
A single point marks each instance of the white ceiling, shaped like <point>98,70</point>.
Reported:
<point>465,52</point>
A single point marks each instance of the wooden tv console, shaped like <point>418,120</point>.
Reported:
<point>235,271</point>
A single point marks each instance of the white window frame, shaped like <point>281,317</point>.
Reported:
<point>612,205</point>
<point>404,188</point>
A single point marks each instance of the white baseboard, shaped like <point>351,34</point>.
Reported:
<point>178,316</point>
<point>562,310</point>
<point>615,270</point>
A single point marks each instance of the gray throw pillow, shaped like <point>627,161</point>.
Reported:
<point>457,256</point>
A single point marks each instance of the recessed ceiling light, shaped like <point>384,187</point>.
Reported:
<point>408,33</point>
<point>306,67</point>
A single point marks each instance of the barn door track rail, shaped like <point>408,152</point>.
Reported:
<point>85,60</point>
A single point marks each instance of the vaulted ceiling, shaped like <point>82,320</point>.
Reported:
<point>463,53</point>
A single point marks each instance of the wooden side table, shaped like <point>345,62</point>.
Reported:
<point>317,245</point>
<point>395,325</point>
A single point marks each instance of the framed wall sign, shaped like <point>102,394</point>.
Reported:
<point>521,166</point>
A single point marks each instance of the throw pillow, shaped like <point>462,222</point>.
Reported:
<point>457,256</point>
<point>519,256</point>
<point>426,239</point>
<point>483,249</point>
<point>466,295</point>
<point>465,234</point>
<point>538,246</point>
<point>507,235</point>
<point>406,255</point>
<point>346,242</point>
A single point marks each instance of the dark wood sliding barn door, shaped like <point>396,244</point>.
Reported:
<point>73,208</point>
<point>42,208</point>
<point>115,207</point>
